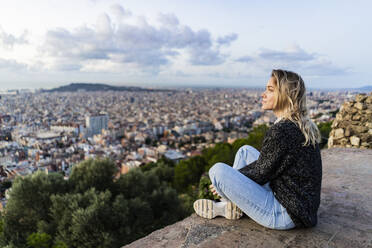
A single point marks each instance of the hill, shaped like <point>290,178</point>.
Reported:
<point>73,87</point>
<point>367,88</point>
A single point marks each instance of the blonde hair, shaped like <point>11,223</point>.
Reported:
<point>290,99</point>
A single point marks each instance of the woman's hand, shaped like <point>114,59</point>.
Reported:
<point>213,190</point>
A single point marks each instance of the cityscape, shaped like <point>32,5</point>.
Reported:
<point>53,131</point>
<point>120,120</point>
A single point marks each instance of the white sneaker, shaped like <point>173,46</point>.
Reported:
<point>209,209</point>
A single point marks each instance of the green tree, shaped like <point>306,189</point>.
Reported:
<point>151,202</point>
<point>2,238</point>
<point>149,166</point>
<point>76,214</point>
<point>221,152</point>
<point>188,172</point>
<point>135,183</point>
<point>59,244</point>
<point>6,184</point>
<point>83,220</point>
<point>256,136</point>
<point>324,128</point>
<point>164,172</point>
<point>29,204</point>
<point>204,190</point>
<point>39,240</point>
<point>98,173</point>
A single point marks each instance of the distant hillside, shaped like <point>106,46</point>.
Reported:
<point>73,87</point>
<point>365,88</point>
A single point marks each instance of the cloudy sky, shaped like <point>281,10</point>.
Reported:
<point>47,43</point>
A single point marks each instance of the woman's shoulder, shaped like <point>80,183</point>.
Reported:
<point>289,132</point>
<point>285,126</point>
<point>285,130</point>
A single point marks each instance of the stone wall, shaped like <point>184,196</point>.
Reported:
<point>353,124</point>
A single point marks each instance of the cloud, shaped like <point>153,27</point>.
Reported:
<point>206,57</point>
<point>11,64</point>
<point>119,12</point>
<point>66,65</point>
<point>9,40</point>
<point>245,59</point>
<point>291,55</point>
<point>227,39</point>
<point>142,44</point>
<point>168,20</point>
<point>325,68</point>
<point>294,58</point>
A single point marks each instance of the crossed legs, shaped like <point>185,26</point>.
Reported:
<point>256,201</point>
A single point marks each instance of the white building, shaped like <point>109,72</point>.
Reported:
<point>68,128</point>
<point>95,124</point>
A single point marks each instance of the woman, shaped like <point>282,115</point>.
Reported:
<point>278,188</point>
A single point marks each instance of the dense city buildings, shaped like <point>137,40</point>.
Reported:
<point>95,124</point>
<point>54,131</point>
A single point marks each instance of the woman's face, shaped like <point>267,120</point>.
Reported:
<point>268,97</point>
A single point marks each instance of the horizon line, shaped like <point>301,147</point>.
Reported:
<point>174,86</point>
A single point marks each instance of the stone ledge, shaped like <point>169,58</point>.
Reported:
<point>345,215</point>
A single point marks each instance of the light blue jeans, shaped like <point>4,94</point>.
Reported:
<point>256,201</point>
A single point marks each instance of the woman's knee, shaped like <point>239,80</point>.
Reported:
<point>217,170</point>
<point>247,148</point>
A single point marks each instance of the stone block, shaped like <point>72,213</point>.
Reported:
<point>365,144</point>
<point>359,129</point>
<point>355,141</point>
<point>369,117</point>
<point>339,117</point>
<point>344,141</point>
<point>360,106</point>
<point>365,137</point>
<point>348,117</point>
<point>361,97</point>
<point>369,100</point>
<point>334,124</point>
<point>353,110</point>
<point>330,141</point>
<point>347,132</point>
<point>356,117</point>
<point>339,133</point>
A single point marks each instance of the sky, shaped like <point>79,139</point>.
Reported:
<point>174,43</point>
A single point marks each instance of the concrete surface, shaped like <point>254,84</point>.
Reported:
<point>345,215</point>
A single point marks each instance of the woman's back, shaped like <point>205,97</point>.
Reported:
<point>293,170</point>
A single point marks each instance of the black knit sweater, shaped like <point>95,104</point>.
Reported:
<point>294,171</point>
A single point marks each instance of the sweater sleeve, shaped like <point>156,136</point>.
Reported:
<point>269,163</point>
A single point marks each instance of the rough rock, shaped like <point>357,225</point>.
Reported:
<point>360,106</point>
<point>354,119</point>
<point>354,140</point>
<point>339,133</point>
<point>345,215</point>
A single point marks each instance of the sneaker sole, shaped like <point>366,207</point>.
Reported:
<point>210,209</point>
